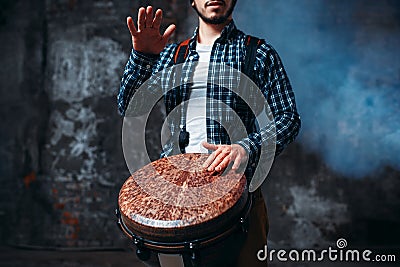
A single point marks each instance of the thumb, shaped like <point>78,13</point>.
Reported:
<point>168,32</point>
<point>209,146</point>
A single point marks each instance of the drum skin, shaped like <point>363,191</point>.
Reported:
<point>149,217</point>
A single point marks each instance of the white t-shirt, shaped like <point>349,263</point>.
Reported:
<point>196,107</point>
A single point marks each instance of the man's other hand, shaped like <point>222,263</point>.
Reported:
<point>223,155</point>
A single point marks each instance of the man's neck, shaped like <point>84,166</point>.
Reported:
<point>208,33</point>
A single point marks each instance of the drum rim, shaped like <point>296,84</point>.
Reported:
<point>189,245</point>
<point>209,227</point>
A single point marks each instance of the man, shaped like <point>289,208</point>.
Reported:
<point>216,40</point>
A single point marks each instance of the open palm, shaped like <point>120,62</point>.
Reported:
<point>146,38</point>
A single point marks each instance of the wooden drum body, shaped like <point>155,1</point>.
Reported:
<point>173,206</point>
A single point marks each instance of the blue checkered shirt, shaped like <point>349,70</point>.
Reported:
<point>229,49</point>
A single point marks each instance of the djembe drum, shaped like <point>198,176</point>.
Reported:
<point>174,208</point>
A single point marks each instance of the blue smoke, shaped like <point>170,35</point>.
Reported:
<point>344,64</point>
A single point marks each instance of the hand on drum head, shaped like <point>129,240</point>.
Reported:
<point>146,38</point>
<point>223,155</point>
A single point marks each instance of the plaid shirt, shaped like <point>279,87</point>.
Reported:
<point>229,49</point>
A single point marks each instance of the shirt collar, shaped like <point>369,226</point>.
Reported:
<point>226,34</point>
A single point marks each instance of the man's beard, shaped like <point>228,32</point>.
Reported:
<point>219,19</point>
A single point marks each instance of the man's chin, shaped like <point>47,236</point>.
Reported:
<point>216,20</point>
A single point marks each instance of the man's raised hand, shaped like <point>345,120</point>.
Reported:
<point>146,38</point>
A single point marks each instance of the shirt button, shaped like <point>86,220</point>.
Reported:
<point>148,66</point>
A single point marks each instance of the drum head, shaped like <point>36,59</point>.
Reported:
<point>158,201</point>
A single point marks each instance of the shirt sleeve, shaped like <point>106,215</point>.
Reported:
<point>274,83</point>
<point>137,70</point>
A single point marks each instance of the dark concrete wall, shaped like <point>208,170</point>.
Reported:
<point>24,112</point>
<point>62,163</point>
<point>343,61</point>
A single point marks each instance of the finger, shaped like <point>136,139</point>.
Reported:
<point>141,19</point>
<point>209,146</point>
<point>168,32</point>
<point>131,26</point>
<point>209,160</point>
<point>223,164</point>
<point>237,162</point>
<point>157,19</point>
<point>222,155</point>
<point>149,16</point>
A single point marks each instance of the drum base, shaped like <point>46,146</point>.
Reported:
<point>229,243</point>
<point>222,254</point>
